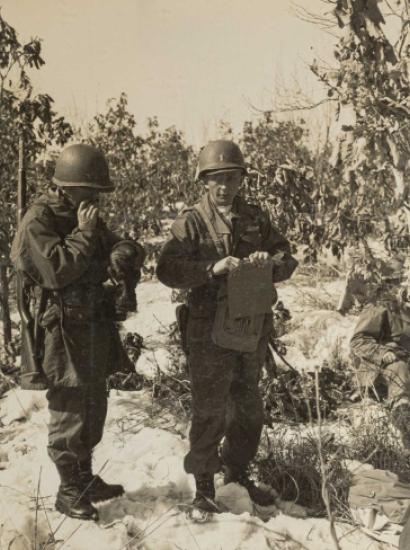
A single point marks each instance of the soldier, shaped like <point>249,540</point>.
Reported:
<point>208,242</point>
<point>64,253</point>
<point>381,343</point>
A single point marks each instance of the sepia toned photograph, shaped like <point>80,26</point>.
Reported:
<point>204,274</point>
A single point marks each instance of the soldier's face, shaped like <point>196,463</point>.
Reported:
<point>224,186</point>
<point>78,195</point>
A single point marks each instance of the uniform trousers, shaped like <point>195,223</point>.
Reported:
<point>226,403</point>
<point>76,425</point>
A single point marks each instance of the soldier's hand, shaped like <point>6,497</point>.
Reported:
<point>225,265</point>
<point>87,215</point>
<point>260,259</point>
<point>389,357</point>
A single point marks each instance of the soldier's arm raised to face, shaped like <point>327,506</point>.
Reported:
<point>58,261</point>
<point>87,215</point>
<point>177,265</point>
<point>284,264</point>
<point>366,340</point>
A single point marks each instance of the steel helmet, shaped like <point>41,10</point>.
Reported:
<point>220,156</point>
<point>82,165</point>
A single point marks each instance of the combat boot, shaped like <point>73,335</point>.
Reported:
<point>96,488</point>
<point>262,497</point>
<point>205,494</point>
<point>400,417</point>
<point>71,499</point>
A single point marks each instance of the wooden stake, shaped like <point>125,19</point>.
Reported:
<point>21,185</point>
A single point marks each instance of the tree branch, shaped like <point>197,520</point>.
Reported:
<point>325,23</point>
<point>290,109</point>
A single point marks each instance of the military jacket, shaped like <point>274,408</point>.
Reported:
<point>188,256</point>
<point>380,329</point>
<point>81,344</point>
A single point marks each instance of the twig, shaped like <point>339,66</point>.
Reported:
<point>81,495</point>
<point>30,497</point>
<point>17,530</point>
<point>290,109</point>
<point>71,535</point>
<point>35,407</point>
<point>393,11</point>
<point>160,322</point>
<point>36,513</point>
<point>150,533</point>
<point>192,535</point>
<point>325,493</point>
<point>50,529</point>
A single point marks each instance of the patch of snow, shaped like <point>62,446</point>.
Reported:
<point>148,460</point>
<point>20,404</point>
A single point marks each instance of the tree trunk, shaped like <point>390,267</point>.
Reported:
<point>4,305</point>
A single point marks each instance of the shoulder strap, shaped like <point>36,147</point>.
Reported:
<point>205,218</point>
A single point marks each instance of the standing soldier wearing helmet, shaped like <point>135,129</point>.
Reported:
<point>381,345</point>
<point>64,254</point>
<point>217,237</point>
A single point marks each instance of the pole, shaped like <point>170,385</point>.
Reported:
<point>4,303</point>
<point>21,185</point>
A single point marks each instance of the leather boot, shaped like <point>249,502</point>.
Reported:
<point>205,493</point>
<point>96,488</point>
<point>71,499</point>
<point>262,497</point>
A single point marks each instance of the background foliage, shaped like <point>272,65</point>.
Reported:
<point>32,118</point>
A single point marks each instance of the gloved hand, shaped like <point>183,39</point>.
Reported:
<point>126,260</point>
<point>126,257</point>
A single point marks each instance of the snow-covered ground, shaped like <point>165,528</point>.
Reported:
<point>144,450</point>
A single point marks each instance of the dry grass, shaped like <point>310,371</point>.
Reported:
<point>292,463</point>
<point>292,468</point>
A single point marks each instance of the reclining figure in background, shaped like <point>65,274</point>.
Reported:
<point>381,343</point>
